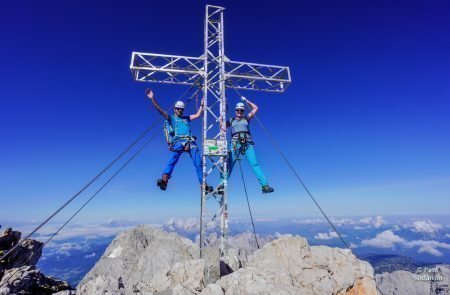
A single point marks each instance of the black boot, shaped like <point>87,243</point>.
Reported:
<point>162,183</point>
<point>208,189</point>
<point>267,189</point>
<point>220,189</point>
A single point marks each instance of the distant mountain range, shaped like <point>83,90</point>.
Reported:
<point>388,245</point>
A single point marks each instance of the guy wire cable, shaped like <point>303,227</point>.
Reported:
<point>248,203</point>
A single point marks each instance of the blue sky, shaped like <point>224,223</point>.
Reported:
<point>365,120</point>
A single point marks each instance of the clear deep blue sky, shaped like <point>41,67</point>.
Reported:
<point>365,121</point>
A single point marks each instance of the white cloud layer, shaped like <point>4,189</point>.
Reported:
<point>85,231</point>
<point>187,224</point>
<point>376,222</point>
<point>342,221</point>
<point>429,247</point>
<point>92,255</point>
<point>425,226</point>
<point>326,236</point>
<point>308,221</point>
<point>387,239</point>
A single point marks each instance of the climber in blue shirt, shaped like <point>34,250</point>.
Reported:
<point>242,143</point>
<point>180,140</point>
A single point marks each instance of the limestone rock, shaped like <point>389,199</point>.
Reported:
<point>234,260</point>
<point>67,292</point>
<point>434,282</point>
<point>251,280</point>
<point>212,289</point>
<point>28,253</point>
<point>290,266</point>
<point>20,275</point>
<point>27,280</point>
<point>140,260</point>
<point>246,241</point>
<point>149,261</point>
<point>187,275</point>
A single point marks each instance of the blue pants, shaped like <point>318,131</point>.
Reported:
<point>236,154</point>
<point>178,149</point>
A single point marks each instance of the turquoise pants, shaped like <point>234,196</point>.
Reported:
<point>237,152</point>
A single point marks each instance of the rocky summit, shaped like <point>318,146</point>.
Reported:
<point>146,260</point>
<point>425,280</point>
<point>19,274</point>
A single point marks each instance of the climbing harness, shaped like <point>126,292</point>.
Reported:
<point>242,138</point>
<point>186,142</point>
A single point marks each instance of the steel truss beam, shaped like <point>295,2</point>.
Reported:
<point>251,76</point>
<point>162,68</point>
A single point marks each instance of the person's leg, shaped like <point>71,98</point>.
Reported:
<point>232,156</point>
<point>251,157</point>
<point>174,157</point>
<point>194,152</point>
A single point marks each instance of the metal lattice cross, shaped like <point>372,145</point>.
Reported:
<point>216,73</point>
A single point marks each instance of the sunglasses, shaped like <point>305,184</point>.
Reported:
<point>179,109</point>
<point>241,111</point>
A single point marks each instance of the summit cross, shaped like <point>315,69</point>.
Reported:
<point>214,73</point>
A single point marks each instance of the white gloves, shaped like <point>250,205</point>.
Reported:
<point>243,99</point>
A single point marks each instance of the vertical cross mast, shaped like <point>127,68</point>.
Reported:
<point>214,128</point>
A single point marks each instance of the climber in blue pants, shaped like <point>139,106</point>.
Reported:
<point>177,149</point>
<point>237,152</point>
<point>179,137</point>
<point>242,143</point>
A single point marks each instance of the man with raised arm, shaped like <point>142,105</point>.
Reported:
<point>179,137</point>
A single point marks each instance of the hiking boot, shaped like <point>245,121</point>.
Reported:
<point>267,189</point>
<point>162,183</point>
<point>208,189</point>
<point>220,189</point>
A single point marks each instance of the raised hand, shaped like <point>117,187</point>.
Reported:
<point>149,93</point>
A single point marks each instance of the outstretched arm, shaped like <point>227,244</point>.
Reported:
<point>252,105</point>
<point>199,112</point>
<point>155,104</point>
